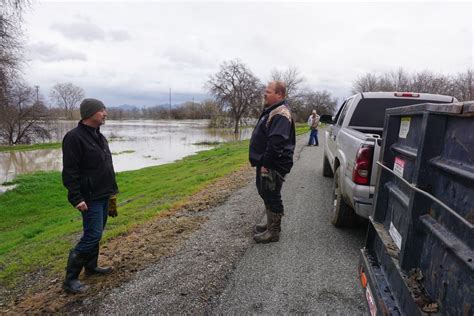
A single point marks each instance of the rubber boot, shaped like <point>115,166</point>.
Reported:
<point>91,267</point>
<point>260,228</point>
<point>272,234</point>
<point>75,263</point>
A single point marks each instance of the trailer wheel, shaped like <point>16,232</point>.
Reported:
<point>342,215</point>
<point>327,171</point>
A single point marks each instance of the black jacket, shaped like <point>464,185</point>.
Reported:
<point>88,172</point>
<point>273,140</point>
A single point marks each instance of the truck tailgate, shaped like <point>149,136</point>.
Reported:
<point>419,254</point>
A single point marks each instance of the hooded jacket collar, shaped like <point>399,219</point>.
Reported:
<point>272,107</point>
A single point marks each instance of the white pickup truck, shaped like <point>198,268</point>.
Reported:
<point>352,147</point>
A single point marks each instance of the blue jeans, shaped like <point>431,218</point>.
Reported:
<point>93,223</point>
<point>313,137</point>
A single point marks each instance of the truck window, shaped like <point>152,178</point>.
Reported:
<point>344,112</point>
<point>371,112</point>
<point>339,111</point>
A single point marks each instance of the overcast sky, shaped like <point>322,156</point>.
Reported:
<point>134,52</point>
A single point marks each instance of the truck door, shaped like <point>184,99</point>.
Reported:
<point>334,129</point>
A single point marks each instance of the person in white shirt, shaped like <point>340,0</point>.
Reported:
<point>313,122</point>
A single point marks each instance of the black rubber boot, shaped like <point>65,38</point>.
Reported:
<point>272,234</point>
<point>91,267</point>
<point>75,263</point>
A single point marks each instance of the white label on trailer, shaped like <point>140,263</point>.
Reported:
<point>397,238</point>
<point>399,166</point>
<point>370,301</point>
<point>404,127</point>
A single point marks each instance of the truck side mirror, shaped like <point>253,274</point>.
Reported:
<point>326,119</point>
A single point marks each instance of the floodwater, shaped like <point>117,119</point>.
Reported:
<point>134,144</point>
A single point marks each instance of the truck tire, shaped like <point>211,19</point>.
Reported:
<point>342,214</point>
<point>327,171</point>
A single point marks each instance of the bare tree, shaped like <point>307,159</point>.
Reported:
<point>23,118</point>
<point>67,96</point>
<point>292,78</point>
<point>308,100</point>
<point>464,85</point>
<point>460,86</point>
<point>236,90</point>
<point>10,45</point>
<point>367,82</point>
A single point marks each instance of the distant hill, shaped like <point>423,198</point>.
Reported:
<point>126,107</point>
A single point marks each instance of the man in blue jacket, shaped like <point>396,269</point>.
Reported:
<point>271,151</point>
<point>89,176</point>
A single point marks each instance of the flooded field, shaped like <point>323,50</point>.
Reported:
<point>134,144</point>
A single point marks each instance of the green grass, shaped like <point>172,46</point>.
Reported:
<point>30,147</point>
<point>301,128</point>
<point>38,225</point>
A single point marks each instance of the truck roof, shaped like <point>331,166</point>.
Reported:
<point>407,95</point>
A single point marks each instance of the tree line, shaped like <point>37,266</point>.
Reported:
<point>460,85</point>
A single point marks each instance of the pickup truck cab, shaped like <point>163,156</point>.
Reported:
<point>352,147</point>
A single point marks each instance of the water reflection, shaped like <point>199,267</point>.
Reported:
<point>135,145</point>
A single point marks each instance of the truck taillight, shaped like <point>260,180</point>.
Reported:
<point>363,165</point>
<point>407,94</point>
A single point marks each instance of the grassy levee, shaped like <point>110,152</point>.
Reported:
<point>30,147</point>
<point>39,226</point>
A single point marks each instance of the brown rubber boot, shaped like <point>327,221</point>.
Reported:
<point>272,234</point>
<point>260,228</point>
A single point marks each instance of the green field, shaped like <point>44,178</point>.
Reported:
<point>39,226</point>
<point>30,147</point>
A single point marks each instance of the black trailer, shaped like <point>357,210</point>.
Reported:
<point>418,257</point>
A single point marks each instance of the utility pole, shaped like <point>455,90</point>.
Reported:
<point>170,105</point>
<point>37,94</point>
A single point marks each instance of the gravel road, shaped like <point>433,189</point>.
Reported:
<point>220,270</point>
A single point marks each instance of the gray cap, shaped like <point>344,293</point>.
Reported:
<point>90,107</point>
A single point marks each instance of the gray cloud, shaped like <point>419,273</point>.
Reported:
<point>183,56</point>
<point>80,30</point>
<point>119,35</point>
<point>52,53</point>
<point>88,31</point>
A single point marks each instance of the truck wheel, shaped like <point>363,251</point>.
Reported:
<point>342,214</point>
<point>327,171</point>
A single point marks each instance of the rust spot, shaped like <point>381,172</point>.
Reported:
<point>417,290</point>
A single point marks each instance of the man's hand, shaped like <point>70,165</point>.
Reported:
<point>263,170</point>
<point>82,206</point>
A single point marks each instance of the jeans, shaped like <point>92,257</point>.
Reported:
<point>269,189</point>
<point>313,137</point>
<point>93,223</point>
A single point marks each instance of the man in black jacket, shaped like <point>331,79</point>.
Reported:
<point>89,176</point>
<point>271,151</point>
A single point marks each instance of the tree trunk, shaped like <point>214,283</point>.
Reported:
<point>236,125</point>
